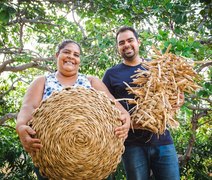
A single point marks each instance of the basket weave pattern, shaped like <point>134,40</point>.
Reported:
<point>76,129</point>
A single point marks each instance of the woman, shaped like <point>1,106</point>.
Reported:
<point>68,61</point>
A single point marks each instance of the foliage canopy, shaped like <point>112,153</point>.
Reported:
<point>31,30</point>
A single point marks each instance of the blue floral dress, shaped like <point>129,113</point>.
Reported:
<point>52,84</point>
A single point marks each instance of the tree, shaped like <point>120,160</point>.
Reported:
<point>30,31</point>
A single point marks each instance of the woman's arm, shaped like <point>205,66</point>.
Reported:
<point>122,131</point>
<point>31,101</point>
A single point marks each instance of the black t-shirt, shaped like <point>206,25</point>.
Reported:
<point>114,79</point>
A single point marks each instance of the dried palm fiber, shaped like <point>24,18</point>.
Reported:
<point>76,129</point>
<point>158,90</point>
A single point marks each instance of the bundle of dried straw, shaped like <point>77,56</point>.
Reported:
<point>158,90</point>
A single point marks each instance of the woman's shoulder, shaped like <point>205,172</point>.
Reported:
<point>81,75</point>
<point>93,79</point>
<point>38,83</point>
<point>40,79</point>
<point>90,77</point>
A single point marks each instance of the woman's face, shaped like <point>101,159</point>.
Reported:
<point>68,59</point>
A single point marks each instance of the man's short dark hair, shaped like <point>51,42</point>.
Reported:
<point>127,28</point>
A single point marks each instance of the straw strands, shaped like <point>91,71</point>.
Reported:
<point>76,129</point>
<point>158,90</point>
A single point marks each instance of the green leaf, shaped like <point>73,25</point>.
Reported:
<point>208,86</point>
<point>6,12</point>
<point>4,16</point>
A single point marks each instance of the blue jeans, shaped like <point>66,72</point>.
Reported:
<point>162,160</point>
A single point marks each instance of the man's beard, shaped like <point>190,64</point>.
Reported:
<point>128,58</point>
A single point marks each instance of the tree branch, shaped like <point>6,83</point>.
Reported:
<point>200,26</point>
<point>10,50</point>
<point>7,116</point>
<point>208,100</point>
<point>4,66</point>
<point>206,64</point>
<point>192,107</point>
<point>194,122</point>
<point>194,96</point>
<point>207,41</point>
<point>81,28</point>
<point>58,1</point>
<point>10,89</point>
<point>14,50</point>
<point>36,20</point>
<point>26,66</point>
<point>21,37</point>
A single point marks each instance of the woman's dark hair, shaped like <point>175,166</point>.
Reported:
<point>64,43</point>
<point>126,28</point>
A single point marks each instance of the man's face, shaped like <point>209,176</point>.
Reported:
<point>128,45</point>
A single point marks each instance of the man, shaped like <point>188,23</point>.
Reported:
<point>144,151</point>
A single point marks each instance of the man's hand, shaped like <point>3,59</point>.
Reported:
<point>30,144</point>
<point>122,131</point>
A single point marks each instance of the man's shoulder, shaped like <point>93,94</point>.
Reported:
<point>115,67</point>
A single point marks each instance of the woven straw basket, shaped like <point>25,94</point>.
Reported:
<point>76,129</point>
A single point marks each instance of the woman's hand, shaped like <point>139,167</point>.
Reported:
<point>122,131</point>
<point>30,144</point>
